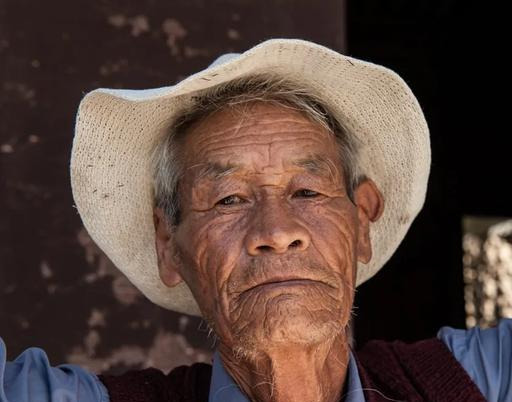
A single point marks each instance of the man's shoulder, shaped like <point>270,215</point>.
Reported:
<point>30,376</point>
<point>455,355</point>
<point>183,383</point>
<point>391,355</point>
<point>486,338</point>
<point>486,354</point>
<point>410,370</point>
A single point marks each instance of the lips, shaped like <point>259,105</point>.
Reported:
<point>282,282</point>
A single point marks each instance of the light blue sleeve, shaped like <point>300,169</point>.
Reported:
<point>486,354</point>
<point>30,378</point>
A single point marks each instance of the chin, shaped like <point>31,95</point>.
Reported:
<point>285,320</point>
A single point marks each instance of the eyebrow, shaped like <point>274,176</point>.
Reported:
<point>216,170</point>
<point>317,165</point>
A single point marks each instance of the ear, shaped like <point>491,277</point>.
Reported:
<point>370,205</point>
<point>168,264</point>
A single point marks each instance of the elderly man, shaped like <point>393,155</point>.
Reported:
<point>258,194</point>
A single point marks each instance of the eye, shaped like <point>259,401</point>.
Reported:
<point>231,200</point>
<point>305,193</point>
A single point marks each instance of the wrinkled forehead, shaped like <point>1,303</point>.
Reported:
<point>265,131</point>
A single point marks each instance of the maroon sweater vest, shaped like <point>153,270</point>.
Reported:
<point>421,371</point>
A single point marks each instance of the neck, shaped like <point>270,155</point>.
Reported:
<point>291,373</point>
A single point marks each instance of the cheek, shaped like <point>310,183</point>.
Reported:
<point>211,245</point>
<point>333,229</point>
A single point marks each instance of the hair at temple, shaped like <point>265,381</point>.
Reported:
<point>167,166</point>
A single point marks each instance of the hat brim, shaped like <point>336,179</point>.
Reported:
<point>116,131</point>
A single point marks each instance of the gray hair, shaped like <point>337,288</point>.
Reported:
<point>168,168</point>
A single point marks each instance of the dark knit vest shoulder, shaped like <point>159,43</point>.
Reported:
<point>421,371</point>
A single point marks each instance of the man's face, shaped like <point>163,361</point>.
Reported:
<point>268,240</point>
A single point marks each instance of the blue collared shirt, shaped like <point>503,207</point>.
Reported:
<point>485,354</point>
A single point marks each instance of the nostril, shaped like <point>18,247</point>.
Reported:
<point>264,248</point>
<point>279,247</point>
<point>295,243</point>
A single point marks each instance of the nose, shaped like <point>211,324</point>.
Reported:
<point>276,230</point>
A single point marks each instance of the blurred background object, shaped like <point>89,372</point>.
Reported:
<point>487,270</point>
<point>60,292</point>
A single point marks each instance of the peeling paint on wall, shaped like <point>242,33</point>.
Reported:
<point>175,32</point>
<point>138,24</point>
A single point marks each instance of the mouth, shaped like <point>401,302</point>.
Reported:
<point>282,283</point>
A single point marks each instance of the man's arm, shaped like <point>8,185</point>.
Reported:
<point>486,354</point>
<point>30,378</point>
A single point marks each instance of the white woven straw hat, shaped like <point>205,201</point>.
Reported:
<point>116,131</point>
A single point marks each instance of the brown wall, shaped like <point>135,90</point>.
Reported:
<point>57,290</point>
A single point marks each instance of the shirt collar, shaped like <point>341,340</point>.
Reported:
<point>224,389</point>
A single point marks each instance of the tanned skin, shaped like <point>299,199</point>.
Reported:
<point>268,243</point>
